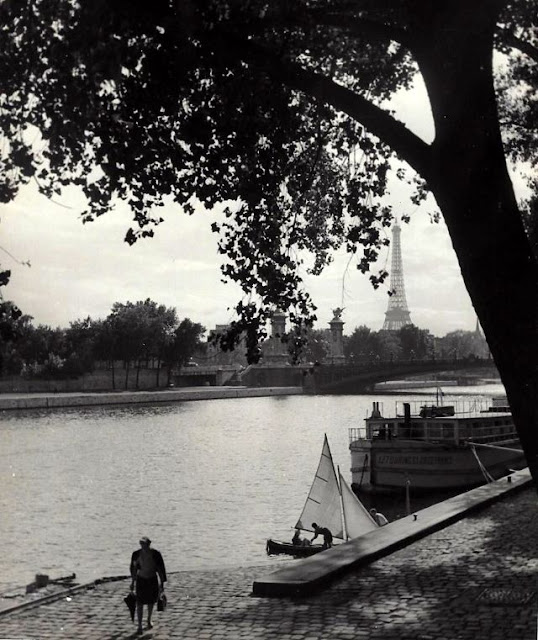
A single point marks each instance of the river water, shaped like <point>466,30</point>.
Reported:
<point>207,481</point>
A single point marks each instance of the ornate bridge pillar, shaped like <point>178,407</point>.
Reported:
<point>337,337</point>
<point>275,352</point>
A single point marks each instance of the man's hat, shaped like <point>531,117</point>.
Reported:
<point>145,540</point>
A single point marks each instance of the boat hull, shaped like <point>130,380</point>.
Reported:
<point>382,465</point>
<point>276,547</point>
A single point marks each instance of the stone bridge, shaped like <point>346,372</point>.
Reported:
<point>359,378</point>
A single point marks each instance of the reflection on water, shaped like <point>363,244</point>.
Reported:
<point>207,481</point>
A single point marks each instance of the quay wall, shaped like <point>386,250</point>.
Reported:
<point>274,376</point>
<point>61,400</point>
<point>153,379</point>
<point>98,380</point>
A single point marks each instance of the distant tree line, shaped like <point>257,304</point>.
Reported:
<point>134,334</point>
<point>412,343</point>
<point>408,343</point>
<point>143,334</point>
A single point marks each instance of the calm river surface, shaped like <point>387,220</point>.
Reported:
<point>207,481</point>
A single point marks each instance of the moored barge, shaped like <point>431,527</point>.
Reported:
<point>432,447</point>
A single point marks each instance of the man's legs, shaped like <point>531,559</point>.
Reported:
<point>150,611</point>
<point>139,613</point>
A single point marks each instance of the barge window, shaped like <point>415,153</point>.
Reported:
<point>381,431</point>
<point>403,430</point>
<point>448,430</point>
<point>416,431</point>
<point>434,431</point>
<point>464,430</point>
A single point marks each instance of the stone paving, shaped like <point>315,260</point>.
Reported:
<point>474,580</point>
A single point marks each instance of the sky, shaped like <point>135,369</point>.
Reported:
<point>82,270</point>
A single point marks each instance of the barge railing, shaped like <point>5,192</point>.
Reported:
<point>442,432</point>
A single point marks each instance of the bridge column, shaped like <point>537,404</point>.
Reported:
<point>275,352</point>
<point>337,338</point>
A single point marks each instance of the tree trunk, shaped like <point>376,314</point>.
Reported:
<point>473,189</point>
<point>126,374</point>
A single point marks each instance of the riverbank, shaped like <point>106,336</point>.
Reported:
<point>473,579</point>
<point>14,401</point>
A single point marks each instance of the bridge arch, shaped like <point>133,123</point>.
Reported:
<point>353,378</point>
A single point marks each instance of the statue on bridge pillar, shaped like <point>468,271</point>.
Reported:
<point>337,337</point>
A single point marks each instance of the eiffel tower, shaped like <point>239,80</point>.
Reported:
<point>397,314</point>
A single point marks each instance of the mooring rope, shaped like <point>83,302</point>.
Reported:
<point>485,472</point>
<point>494,446</point>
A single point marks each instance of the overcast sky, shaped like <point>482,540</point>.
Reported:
<point>79,270</point>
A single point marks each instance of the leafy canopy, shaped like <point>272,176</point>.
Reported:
<point>245,102</point>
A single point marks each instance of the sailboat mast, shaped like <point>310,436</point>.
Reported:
<point>344,526</point>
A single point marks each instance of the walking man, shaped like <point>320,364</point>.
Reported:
<point>147,568</point>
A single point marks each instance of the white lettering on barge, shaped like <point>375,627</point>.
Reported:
<point>414,460</point>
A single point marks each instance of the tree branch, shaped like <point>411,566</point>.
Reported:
<point>392,132</point>
<point>360,27</point>
<point>354,25</point>
<point>517,43</point>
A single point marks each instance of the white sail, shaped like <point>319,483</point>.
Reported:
<point>356,517</point>
<point>323,503</point>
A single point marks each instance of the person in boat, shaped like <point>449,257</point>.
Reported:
<point>379,518</point>
<point>298,541</point>
<point>326,533</point>
<point>147,569</point>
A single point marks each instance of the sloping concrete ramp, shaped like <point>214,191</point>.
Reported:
<point>306,576</point>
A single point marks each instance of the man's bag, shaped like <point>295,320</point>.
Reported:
<point>161,602</point>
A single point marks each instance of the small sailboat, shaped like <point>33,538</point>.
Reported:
<point>331,503</point>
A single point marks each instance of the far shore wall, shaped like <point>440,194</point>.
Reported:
<point>100,380</point>
<point>274,376</point>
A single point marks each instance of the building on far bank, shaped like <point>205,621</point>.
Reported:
<point>216,356</point>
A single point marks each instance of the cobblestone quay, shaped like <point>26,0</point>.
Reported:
<point>474,580</point>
